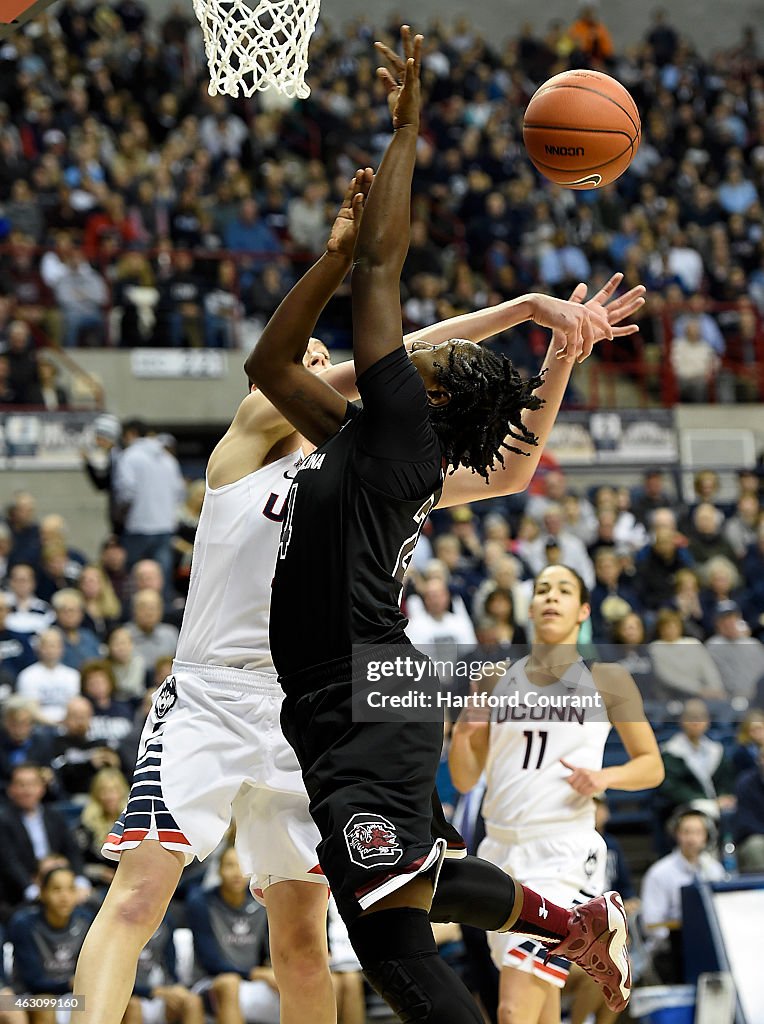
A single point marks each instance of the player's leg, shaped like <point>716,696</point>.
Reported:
<point>299,954</point>
<point>587,1000</point>
<point>526,999</point>
<point>135,904</point>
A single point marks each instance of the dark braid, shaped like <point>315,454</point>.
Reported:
<point>488,397</point>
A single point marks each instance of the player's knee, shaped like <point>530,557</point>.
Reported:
<point>512,1009</point>
<point>306,961</point>
<point>137,909</point>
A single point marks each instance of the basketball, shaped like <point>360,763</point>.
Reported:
<point>581,129</point>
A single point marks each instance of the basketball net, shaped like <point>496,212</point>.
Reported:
<point>257,48</point>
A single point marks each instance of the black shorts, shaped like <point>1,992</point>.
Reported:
<point>371,787</point>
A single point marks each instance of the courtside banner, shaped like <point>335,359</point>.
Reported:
<point>45,440</point>
<point>15,13</point>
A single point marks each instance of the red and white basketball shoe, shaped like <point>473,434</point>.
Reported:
<point>596,941</point>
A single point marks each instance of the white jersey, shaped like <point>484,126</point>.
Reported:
<point>526,792</point>
<point>227,612</point>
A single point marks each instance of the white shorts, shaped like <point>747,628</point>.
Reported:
<point>211,750</point>
<point>566,869</point>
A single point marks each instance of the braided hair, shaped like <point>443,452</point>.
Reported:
<point>488,397</point>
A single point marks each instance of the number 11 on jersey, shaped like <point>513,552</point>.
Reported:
<point>529,735</point>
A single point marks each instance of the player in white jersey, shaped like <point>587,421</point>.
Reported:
<point>212,747</point>
<point>542,753</point>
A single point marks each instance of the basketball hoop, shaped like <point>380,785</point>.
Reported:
<point>257,48</point>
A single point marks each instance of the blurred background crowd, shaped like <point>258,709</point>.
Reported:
<point>158,215</point>
<point>136,210</point>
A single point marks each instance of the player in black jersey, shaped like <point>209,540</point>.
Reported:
<point>354,515</point>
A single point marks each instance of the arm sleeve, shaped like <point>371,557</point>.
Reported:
<point>205,944</point>
<point>398,450</point>
<point>29,963</point>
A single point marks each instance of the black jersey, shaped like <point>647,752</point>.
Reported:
<point>354,514</point>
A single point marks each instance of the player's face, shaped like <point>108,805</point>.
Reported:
<point>556,609</point>
<point>429,359</point>
<point>59,896</point>
<point>317,358</point>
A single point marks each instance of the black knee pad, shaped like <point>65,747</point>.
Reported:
<point>400,958</point>
<point>473,891</point>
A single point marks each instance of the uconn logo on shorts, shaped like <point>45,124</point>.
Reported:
<point>371,841</point>
<point>166,697</point>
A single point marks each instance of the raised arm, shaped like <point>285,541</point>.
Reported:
<point>383,239</point>
<point>517,471</point>
<point>275,364</point>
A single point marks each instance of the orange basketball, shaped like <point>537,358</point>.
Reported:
<point>581,129</point>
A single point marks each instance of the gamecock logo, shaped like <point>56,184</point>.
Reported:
<point>371,841</point>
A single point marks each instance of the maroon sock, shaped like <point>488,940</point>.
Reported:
<point>540,918</point>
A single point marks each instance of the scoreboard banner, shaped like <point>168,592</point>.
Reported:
<point>44,440</point>
<point>626,436</point>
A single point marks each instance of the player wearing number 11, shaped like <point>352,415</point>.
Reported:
<point>543,765</point>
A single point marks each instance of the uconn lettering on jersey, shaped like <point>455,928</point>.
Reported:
<point>525,712</point>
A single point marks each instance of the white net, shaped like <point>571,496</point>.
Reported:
<point>257,47</point>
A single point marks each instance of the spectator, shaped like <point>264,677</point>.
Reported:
<point>80,643</point>
<point>662,886</point>
<point>236,969</point>
<point>48,681</point>
<point>100,604</point>
<point>610,584</point>
<point>223,309</point>
<point>15,650</point>
<point>687,603</point>
<point>23,377</point>
<point>657,565</point>
<point>147,574</point>
<point>683,666</point>
<point>249,235</point>
<point>22,520</point>
<point>185,534</point>
<point>697,771</point>
<point>750,741</point>
<point>740,529</point>
<point>722,584</point>
<point>749,818</point>
<point>572,551</point>
<point>590,35</point>
<point>161,995</point>
<point>738,656</point>
<point>705,540</point>
<point>20,739</point>
<point>435,623</point>
<point>179,311</point>
<point>694,363</point>
<point>47,939</point>
<point>151,637</point>
<point>114,564</point>
<point>31,831</point>
<point>99,464</point>
<point>81,293</point>
<point>75,755</point>
<point>54,396</point>
<point>307,219</point>
<point>149,485</point>
<point>112,719</point>
<point>106,800</point>
<point>128,668</point>
<point>650,496</point>
<point>499,607</point>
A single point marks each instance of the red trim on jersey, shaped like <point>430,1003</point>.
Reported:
<point>317,870</point>
<point>409,869</point>
<point>539,964</point>
<point>173,836</point>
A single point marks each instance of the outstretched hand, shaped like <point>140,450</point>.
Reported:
<point>347,222</point>
<point>614,311</point>
<point>401,79</point>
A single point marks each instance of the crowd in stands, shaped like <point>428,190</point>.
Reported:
<point>124,186</point>
<point>85,639</point>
